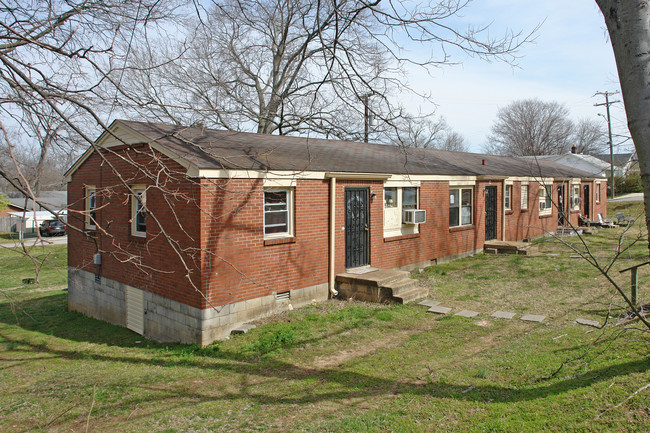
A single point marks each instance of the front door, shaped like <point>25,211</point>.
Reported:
<point>585,210</point>
<point>357,241</point>
<point>560,205</point>
<point>490,213</point>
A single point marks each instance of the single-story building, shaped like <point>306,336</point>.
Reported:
<point>189,232</point>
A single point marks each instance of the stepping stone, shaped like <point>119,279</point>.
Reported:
<point>439,309</point>
<point>243,328</point>
<point>503,315</point>
<point>467,313</point>
<point>532,318</point>
<point>429,303</point>
<point>588,322</point>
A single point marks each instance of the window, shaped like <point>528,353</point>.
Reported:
<point>545,199</point>
<point>460,207</point>
<point>139,211</point>
<point>575,197</point>
<point>278,210</point>
<point>396,201</point>
<point>524,196</point>
<point>390,197</point>
<point>597,192</point>
<point>91,206</point>
<point>508,198</point>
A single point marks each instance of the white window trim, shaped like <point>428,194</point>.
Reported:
<point>575,204</point>
<point>460,201</point>
<point>134,208</point>
<point>523,201</point>
<point>290,214</point>
<point>507,204</point>
<point>401,229</point>
<point>91,190</point>
<point>597,192</point>
<point>542,198</point>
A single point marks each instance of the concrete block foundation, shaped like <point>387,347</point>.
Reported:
<point>166,320</point>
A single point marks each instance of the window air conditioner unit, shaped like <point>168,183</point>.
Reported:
<point>415,216</point>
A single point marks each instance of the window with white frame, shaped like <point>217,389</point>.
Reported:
<point>139,211</point>
<point>524,196</point>
<point>396,201</point>
<point>507,200</point>
<point>575,197</point>
<point>597,192</point>
<point>278,212</point>
<point>460,207</point>
<point>545,199</point>
<point>91,206</point>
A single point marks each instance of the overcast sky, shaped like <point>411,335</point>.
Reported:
<point>570,60</point>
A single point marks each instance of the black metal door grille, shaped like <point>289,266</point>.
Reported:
<point>490,213</point>
<point>356,228</point>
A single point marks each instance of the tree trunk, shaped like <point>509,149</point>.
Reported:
<point>628,24</point>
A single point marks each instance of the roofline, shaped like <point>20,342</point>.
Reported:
<point>109,132</point>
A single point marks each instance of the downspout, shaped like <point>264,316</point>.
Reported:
<point>332,277</point>
<point>503,210</point>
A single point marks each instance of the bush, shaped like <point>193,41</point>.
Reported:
<point>626,185</point>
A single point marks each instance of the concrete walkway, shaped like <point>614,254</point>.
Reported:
<point>30,240</point>
<point>635,196</point>
<point>436,308</point>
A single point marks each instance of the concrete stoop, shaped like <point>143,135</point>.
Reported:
<point>509,247</point>
<point>384,285</point>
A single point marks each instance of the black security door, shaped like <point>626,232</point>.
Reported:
<point>585,210</point>
<point>356,228</point>
<point>560,205</point>
<point>490,213</point>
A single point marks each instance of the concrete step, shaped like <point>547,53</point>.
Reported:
<point>384,285</point>
<point>403,285</point>
<point>377,278</point>
<point>411,295</point>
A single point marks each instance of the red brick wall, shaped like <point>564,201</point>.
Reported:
<point>238,264</point>
<point>148,263</point>
<point>217,228</point>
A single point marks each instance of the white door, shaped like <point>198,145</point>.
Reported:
<point>135,310</point>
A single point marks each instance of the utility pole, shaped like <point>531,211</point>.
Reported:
<point>607,103</point>
<point>368,119</point>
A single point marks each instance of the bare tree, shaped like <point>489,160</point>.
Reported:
<point>425,132</point>
<point>289,67</point>
<point>454,141</point>
<point>531,127</point>
<point>590,137</point>
<point>628,24</point>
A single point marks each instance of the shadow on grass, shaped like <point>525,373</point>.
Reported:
<point>49,317</point>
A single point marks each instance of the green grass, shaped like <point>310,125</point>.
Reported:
<point>16,265</point>
<point>343,366</point>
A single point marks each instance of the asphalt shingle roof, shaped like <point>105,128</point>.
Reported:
<point>219,149</point>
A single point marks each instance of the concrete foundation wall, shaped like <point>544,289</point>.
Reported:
<point>171,321</point>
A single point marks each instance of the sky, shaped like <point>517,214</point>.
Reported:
<point>569,61</point>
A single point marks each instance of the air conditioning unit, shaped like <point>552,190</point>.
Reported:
<point>415,216</point>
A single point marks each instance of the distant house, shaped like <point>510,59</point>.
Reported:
<point>588,163</point>
<point>189,232</point>
<point>24,215</point>
<point>624,163</point>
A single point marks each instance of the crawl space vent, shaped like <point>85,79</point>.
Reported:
<point>284,296</point>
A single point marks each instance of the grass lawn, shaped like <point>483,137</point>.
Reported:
<point>346,366</point>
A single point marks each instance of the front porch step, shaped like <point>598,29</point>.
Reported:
<point>509,247</point>
<point>382,285</point>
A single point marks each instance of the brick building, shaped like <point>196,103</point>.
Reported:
<point>189,232</point>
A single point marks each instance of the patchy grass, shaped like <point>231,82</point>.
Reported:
<point>348,366</point>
